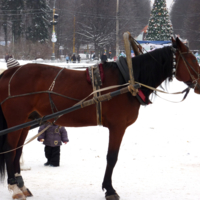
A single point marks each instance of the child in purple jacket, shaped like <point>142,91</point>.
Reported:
<point>52,138</point>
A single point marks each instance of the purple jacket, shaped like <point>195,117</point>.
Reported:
<point>53,136</point>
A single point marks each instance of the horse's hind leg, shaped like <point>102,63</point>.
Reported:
<point>9,158</point>
<point>20,181</point>
<point>14,115</point>
<point>116,135</point>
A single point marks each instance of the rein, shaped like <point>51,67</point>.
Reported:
<point>187,65</point>
<point>30,140</point>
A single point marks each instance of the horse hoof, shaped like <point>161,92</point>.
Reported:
<point>19,196</point>
<point>27,193</point>
<point>113,197</point>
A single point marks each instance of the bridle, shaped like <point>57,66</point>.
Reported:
<point>188,67</point>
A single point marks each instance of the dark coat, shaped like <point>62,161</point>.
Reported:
<point>74,58</point>
<point>104,58</point>
<point>78,58</point>
<point>110,55</point>
<point>53,136</point>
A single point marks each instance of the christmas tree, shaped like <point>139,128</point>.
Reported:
<point>160,26</point>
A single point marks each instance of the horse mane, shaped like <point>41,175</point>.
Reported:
<point>153,68</point>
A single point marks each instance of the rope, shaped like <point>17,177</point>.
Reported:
<point>30,140</point>
<point>186,90</point>
<point>101,90</point>
<point>54,81</point>
<point>152,88</point>
<point>11,79</point>
<point>39,92</point>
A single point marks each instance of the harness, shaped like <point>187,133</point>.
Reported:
<point>123,67</point>
<point>49,92</point>
<point>188,67</point>
<point>95,78</point>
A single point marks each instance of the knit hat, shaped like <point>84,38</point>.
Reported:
<point>12,63</point>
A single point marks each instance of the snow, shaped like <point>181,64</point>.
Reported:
<point>159,157</point>
<point>59,63</point>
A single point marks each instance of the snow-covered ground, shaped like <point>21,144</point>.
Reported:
<point>159,157</point>
<point>84,63</point>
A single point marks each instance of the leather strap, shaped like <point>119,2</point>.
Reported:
<point>96,83</point>
<point>123,68</point>
<point>20,181</point>
<point>12,181</point>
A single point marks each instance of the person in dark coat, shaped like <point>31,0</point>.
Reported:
<point>74,58</point>
<point>78,58</point>
<point>104,57</point>
<point>52,138</point>
<point>110,55</point>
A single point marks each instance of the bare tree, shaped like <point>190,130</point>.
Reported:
<point>185,20</point>
<point>87,22</point>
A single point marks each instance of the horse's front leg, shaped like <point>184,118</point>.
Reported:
<point>116,135</point>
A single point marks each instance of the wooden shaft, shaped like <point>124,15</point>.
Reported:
<point>134,46</point>
<point>128,57</point>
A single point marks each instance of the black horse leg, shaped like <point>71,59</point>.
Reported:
<point>16,161</point>
<point>115,139</point>
<point>20,181</point>
<point>22,138</point>
<point>9,158</point>
<point>12,180</point>
<point>10,144</point>
<point>107,183</point>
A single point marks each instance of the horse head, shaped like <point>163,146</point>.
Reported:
<point>186,65</point>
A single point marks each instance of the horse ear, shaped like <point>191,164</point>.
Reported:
<point>180,45</point>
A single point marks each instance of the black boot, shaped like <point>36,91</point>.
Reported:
<point>47,163</point>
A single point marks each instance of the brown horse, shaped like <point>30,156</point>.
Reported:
<point>117,114</point>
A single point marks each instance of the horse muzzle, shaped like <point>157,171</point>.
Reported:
<point>197,88</point>
<point>194,85</point>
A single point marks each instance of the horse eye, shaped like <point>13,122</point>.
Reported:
<point>194,61</point>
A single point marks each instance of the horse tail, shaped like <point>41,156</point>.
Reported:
<point>3,125</point>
